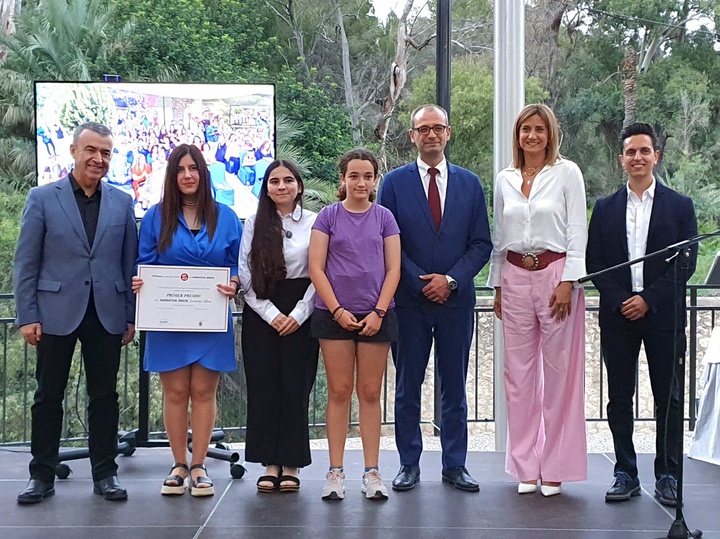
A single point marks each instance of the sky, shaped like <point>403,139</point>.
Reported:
<point>384,7</point>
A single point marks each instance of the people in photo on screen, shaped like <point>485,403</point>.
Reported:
<point>279,355</point>
<point>232,154</point>
<point>72,273</point>
<point>540,220</point>
<point>145,137</point>
<point>140,171</point>
<point>45,136</point>
<point>188,228</point>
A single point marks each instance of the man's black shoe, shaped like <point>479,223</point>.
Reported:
<point>406,478</point>
<point>460,478</point>
<point>110,489</point>
<point>666,490</point>
<point>623,488</point>
<point>35,492</point>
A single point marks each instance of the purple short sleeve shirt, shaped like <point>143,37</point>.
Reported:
<point>355,263</point>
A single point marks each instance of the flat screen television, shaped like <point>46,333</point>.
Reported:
<point>232,124</point>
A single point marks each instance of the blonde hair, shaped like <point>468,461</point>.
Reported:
<point>552,152</point>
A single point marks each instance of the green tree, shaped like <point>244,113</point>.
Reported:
<point>54,40</point>
<point>471,109</point>
<point>94,104</point>
<point>11,206</point>
<point>198,40</point>
<point>324,124</point>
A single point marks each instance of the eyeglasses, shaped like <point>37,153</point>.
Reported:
<point>425,129</point>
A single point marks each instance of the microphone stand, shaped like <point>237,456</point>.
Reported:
<point>679,252</point>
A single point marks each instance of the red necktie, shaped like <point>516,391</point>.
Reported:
<point>434,198</point>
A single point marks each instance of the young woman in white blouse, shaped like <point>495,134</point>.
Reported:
<point>280,356</point>
<point>539,253</point>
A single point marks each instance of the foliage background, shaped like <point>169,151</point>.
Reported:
<point>345,78</point>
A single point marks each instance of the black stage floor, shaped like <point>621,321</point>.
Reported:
<point>431,510</point>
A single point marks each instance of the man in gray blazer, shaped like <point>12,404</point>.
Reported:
<point>73,267</point>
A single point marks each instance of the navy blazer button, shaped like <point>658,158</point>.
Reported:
<point>87,282</point>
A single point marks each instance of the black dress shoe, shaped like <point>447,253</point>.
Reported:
<point>460,479</point>
<point>406,478</point>
<point>623,488</point>
<point>36,491</point>
<point>666,490</point>
<point>110,489</point>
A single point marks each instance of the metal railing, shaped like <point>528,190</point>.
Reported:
<point>140,394</point>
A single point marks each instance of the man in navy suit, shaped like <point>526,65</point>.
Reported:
<point>640,304</point>
<point>445,237</point>
<point>73,268</point>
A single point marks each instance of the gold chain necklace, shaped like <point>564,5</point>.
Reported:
<point>531,172</point>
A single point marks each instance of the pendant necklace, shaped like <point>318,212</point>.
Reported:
<point>530,171</point>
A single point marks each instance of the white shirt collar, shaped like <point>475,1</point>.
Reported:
<point>295,215</point>
<point>423,168</point>
<point>650,191</point>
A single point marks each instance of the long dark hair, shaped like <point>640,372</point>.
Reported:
<point>171,203</point>
<point>266,259</point>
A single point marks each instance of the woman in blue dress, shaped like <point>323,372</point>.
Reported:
<point>188,228</point>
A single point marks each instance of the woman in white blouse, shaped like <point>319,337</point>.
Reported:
<point>280,357</point>
<point>539,253</point>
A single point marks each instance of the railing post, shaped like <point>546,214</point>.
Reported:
<point>692,385</point>
<point>143,433</point>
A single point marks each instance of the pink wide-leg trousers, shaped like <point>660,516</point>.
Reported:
<point>544,378</point>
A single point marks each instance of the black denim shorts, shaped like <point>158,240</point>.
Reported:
<point>322,326</point>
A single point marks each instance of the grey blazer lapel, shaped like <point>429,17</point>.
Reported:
<point>68,204</point>
<point>106,195</point>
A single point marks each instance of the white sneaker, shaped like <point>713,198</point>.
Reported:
<point>334,488</point>
<point>373,487</point>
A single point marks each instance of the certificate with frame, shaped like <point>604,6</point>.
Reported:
<point>182,298</point>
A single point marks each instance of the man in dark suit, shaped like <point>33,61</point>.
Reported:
<point>445,237</point>
<point>639,305</point>
<point>73,268</point>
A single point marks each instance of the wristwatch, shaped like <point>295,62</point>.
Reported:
<point>379,312</point>
<point>452,283</point>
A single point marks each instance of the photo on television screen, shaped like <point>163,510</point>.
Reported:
<point>232,124</point>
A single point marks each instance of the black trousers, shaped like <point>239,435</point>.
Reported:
<point>101,357</point>
<point>280,373</point>
<point>620,348</point>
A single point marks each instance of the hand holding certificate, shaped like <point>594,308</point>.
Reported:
<point>179,298</point>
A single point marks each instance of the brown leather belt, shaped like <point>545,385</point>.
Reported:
<point>533,261</point>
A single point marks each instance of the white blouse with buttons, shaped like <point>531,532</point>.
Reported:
<point>296,240</point>
<point>552,218</point>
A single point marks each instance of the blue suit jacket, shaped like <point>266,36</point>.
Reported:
<point>672,220</point>
<point>460,248</point>
<point>55,267</point>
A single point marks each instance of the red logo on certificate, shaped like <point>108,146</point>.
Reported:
<point>184,277</point>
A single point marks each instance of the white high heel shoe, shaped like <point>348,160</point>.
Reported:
<point>547,490</point>
<point>527,488</point>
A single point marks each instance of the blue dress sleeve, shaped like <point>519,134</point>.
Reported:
<point>234,237</point>
<point>148,239</point>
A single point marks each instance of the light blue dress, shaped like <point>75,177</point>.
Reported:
<point>165,350</point>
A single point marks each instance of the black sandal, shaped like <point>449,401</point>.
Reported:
<point>293,487</point>
<point>174,484</point>
<point>195,487</point>
<point>274,479</point>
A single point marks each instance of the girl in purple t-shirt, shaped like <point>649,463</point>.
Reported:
<point>354,263</point>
